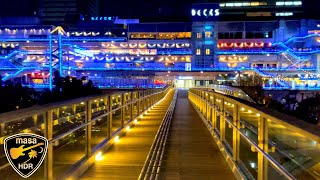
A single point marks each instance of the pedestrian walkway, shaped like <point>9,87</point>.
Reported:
<point>191,152</point>
<point>125,159</point>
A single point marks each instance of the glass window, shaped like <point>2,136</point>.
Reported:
<point>207,51</point>
<point>208,34</point>
<point>199,35</point>
<point>198,52</point>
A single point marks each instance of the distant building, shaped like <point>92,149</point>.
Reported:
<point>66,11</point>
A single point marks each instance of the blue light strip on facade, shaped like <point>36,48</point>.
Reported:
<point>60,54</point>
<point>300,38</point>
<point>50,62</point>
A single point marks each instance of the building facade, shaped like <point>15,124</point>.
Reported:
<point>284,51</point>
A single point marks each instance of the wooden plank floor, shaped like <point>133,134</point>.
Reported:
<point>191,152</point>
<point>125,159</point>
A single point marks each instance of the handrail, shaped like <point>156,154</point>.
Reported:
<point>96,118</point>
<point>13,115</point>
<point>274,163</point>
<point>153,161</point>
<point>152,95</point>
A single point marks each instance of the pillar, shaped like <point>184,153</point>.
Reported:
<point>48,170</point>
<point>263,144</point>
<point>88,127</point>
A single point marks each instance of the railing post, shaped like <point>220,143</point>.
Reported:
<point>88,127</point>
<point>122,100</point>
<point>222,121</point>
<point>263,144</point>
<point>74,109</point>
<point>110,115</point>
<point>214,113</point>
<point>48,170</point>
<point>2,125</point>
<point>236,134</point>
<point>131,105</point>
<point>138,103</point>
<point>142,100</point>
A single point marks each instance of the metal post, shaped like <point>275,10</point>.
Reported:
<point>236,134</point>
<point>88,127</point>
<point>110,115</point>
<point>138,102</point>
<point>35,119</point>
<point>50,61</point>
<point>2,125</point>
<point>263,144</point>
<point>143,101</point>
<point>214,115</point>
<point>48,170</point>
<point>131,105</point>
<point>122,100</point>
<point>74,109</point>
<point>222,121</point>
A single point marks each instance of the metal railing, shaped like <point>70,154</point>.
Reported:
<point>153,161</point>
<point>231,91</point>
<point>76,129</point>
<point>260,145</point>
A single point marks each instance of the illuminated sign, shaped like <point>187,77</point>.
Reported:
<point>185,77</point>
<point>104,18</point>
<point>205,12</point>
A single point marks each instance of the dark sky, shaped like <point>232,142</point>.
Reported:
<point>175,10</point>
<point>148,10</point>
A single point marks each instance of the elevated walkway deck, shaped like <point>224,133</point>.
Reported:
<point>125,159</point>
<point>191,153</point>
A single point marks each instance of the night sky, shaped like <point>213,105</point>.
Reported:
<point>147,10</point>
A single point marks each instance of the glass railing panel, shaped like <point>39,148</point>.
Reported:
<point>67,151</point>
<point>67,123</point>
<point>135,109</point>
<point>249,124</point>
<point>99,131</point>
<point>127,114</point>
<point>248,162</point>
<point>294,151</point>
<point>31,124</point>
<point>229,137</point>
<point>116,120</point>
<point>99,107</point>
<point>273,173</point>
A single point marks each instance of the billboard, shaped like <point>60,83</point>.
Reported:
<point>205,12</point>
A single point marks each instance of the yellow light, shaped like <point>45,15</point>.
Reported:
<point>249,111</point>
<point>117,139</point>
<point>128,128</point>
<point>82,103</point>
<point>258,115</point>
<point>99,157</point>
<point>141,116</point>
<point>135,121</point>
